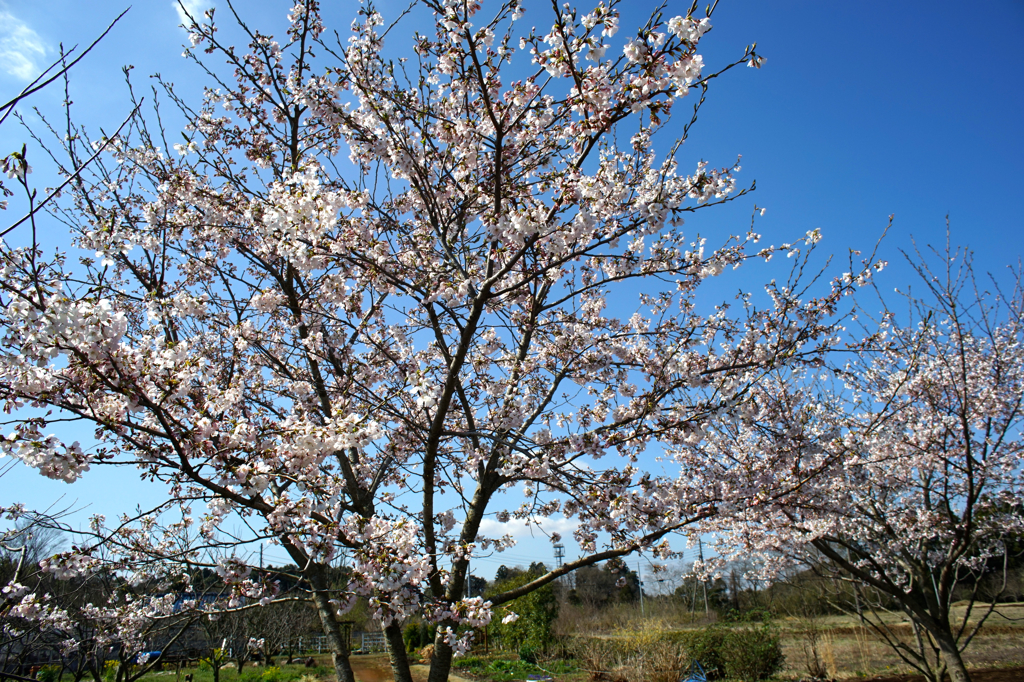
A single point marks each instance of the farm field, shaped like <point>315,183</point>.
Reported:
<point>848,651</point>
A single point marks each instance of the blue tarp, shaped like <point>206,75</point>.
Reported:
<point>695,673</point>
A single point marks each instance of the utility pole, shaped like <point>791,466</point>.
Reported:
<point>691,584</point>
<point>640,579</point>
<point>703,584</point>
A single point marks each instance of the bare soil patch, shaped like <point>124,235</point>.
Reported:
<point>371,668</point>
<point>376,668</point>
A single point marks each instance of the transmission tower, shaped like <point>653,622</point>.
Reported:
<point>559,557</point>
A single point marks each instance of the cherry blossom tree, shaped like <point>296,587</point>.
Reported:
<point>915,448</point>
<point>375,298</point>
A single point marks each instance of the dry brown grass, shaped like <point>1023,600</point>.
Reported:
<point>639,656</point>
<point>588,620</point>
<point>1011,615</point>
<point>844,648</point>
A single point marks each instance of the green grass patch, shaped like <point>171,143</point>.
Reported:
<point>509,668</point>
<point>250,673</point>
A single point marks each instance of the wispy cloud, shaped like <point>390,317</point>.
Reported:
<point>193,7</point>
<point>21,48</point>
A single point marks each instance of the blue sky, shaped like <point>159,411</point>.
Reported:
<point>862,110</point>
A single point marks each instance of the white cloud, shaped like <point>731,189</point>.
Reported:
<point>521,528</point>
<point>20,47</point>
<point>194,7</point>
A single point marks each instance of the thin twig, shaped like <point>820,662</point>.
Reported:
<point>32,88</point>
<point>71,177</point>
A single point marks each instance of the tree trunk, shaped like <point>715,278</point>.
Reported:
<point>441,663</point>
<point>951,657</point>
<point>396,652</point>
<point>339,650</point>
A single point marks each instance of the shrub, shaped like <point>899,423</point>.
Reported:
<point>594,655</point>
<point>752,654</point>
<point>272,674</point>
<point>747,616</point>
<point>651,655</point>
<point>560,667</point>
<point>502,670</point>
<point>470,663</point>
<point>48,673</point>
<point>532,629</point>
<point>749,654</point>
<point>705,647</point>
<point>528,653</point>
<point>411,635</point>
<point>642,656</point>
<point>427,633</point>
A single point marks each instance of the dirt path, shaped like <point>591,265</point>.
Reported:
<point>378,669</point>
<point>371,668</point>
